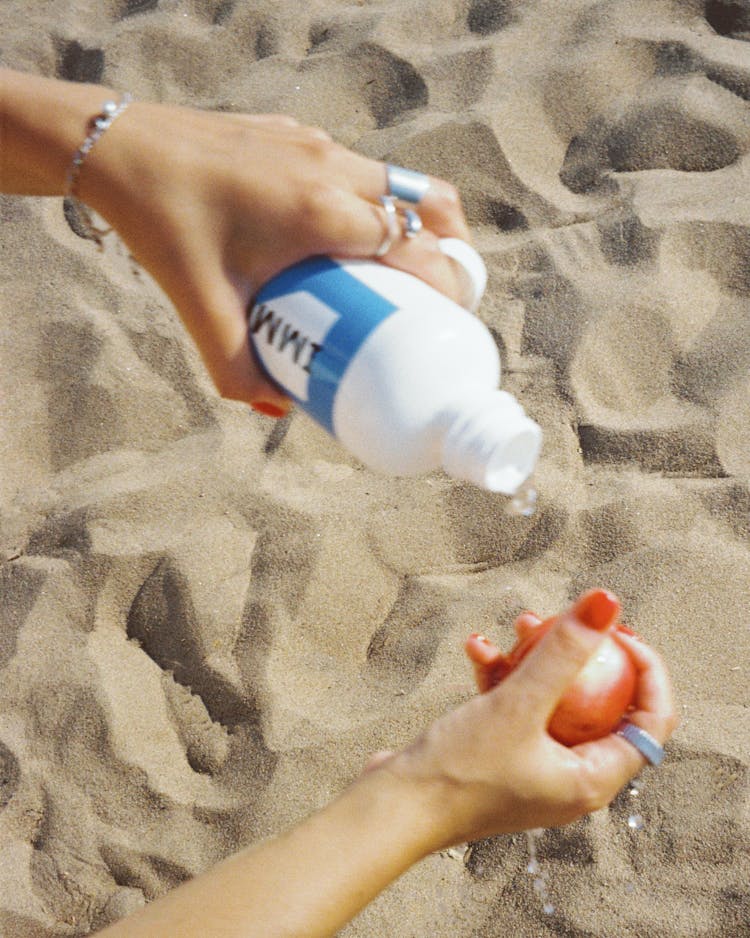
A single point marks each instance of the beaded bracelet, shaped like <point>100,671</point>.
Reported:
<point>77,214</point>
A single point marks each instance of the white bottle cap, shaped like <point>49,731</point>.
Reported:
<point>472,263</point>
<point>492,443</point>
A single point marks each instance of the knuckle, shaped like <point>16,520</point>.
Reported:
<point>315,203</point>
<point>568,641</point>
<point>323,213</point>
<point>318,145</point>
<point>449,196</point>
<point>285,120</point>
<point>588,795</point>
<point>230,388</point>
<point>272,119</point>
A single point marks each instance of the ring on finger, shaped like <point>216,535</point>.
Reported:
<point>412,223</point>
<point>650,748</point>
<point>393,228</point>
<point>406,184</point>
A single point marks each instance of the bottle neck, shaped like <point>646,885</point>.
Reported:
<point>490,441</point>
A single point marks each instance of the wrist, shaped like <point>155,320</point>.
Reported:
<point>388,799</point>
<point>422,803</point>
<point>44,124</point>
<point>107,173</point>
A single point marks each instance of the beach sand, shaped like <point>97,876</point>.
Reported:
<point>209,619</point>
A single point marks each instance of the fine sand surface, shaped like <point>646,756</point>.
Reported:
<point>209,620</point>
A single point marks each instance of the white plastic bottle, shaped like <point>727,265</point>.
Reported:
<point>404,378</point>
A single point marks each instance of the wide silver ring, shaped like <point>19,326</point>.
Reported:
<point>392,226</point>
<point>406,184</point>
<point>651,750</point>
<point>412,223</point>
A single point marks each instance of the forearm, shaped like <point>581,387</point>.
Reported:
<point>42,124</point>
<point>309,881</point>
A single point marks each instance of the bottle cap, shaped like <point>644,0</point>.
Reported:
<point>472,263</point>
<point>492,443</point>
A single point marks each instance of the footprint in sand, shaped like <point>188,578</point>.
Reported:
<point>132,7</point>
<point>164,623</point>
<point>486,17</point>
<point>391,85</point>
<point>9,775</point>
<point>729,18</point>
<point>78,63</point>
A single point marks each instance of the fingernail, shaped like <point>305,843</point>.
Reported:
<point>625,630</point>
<point>480,638</point>
<point>597,609</point>
<point>270,410</point>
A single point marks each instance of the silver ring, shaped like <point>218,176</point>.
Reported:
<point>406,184</point>
<point>644,742</point>
<point>393,229</point>
<point>412,223</point>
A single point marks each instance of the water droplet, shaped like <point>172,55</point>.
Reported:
<point>540,876</point>
<point>636,822</point>
<point>523,503</point>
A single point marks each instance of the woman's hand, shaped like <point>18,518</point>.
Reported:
<point>213,205</point>
<point>490,766</point>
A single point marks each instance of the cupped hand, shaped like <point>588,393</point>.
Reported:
<point>490,766</point>
<point>214,204</point>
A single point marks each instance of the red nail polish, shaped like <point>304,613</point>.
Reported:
<point>597,609</point>
<point>627,631</point>
<point>270,410</point>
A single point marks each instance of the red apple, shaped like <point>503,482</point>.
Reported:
<point>601,694</point>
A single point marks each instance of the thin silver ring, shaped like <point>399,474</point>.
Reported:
<point>651,750</point>
<point>393,228</point>
<point>406,184</point>
<point>412,223</point>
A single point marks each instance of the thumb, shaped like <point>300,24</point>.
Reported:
<point>550,667</point>
<point>377,759</point>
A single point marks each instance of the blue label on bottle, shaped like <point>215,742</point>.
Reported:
<point>307,324</point>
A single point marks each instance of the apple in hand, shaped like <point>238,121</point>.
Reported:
<point>603,690</point>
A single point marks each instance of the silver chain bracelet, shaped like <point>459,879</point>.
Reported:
<point>77,214</point>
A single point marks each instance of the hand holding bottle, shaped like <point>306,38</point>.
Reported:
<point>214,204</point>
